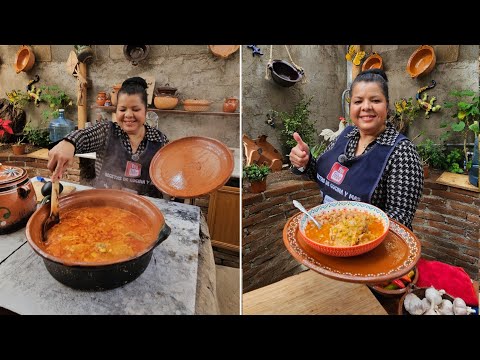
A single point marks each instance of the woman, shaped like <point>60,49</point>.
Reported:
<point>124,149</point>
<point>369,162</point>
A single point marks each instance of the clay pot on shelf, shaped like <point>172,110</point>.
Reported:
<point>230,104</point>
<point>114,94</point>
<point>101,98</point>
<point>165,102</point>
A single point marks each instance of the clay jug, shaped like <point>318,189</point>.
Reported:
<point>101,98</point>
<point>17,198</point>
<point>230,104</point>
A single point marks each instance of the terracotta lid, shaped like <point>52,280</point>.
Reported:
<point>223,51</point>
<point>10,173</point>
<point>196,102</point>
<point>421,62</point>
<point>24,59</point>
<point>374,61</point>
<point>192,166</point>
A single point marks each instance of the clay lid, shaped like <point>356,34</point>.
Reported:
<point>192,166</point>
<point>9,173</point>
<point>196,102</point>
<point>374,61</point>
<point>421,62</point>
<point>167,89</point>
<point>24,59</point>
<point>223,51</point>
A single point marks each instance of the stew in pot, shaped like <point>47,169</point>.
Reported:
<point>98,234</point>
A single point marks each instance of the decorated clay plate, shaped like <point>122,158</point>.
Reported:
<point>192,166</point>
<point>393,258</point>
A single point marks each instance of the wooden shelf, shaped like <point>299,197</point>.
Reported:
<point>113,108</point>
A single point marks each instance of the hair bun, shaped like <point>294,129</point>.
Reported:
<point>136,80</point>
<point>378,72</point>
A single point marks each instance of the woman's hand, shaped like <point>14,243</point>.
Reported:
<point>300,154</point>
<point>59,157</point>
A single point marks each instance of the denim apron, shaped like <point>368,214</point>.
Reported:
<point>353,179</point>
<point>121,171</point>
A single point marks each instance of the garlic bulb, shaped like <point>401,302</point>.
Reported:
<point>445,307</point>
<point>413,304</point>
<point>426,304</point>
<point>434,296</point>
<point>460,308</point>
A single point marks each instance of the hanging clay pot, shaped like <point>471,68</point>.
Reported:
<point>24,59</point>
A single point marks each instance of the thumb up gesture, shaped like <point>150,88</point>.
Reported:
<point>300,154</point>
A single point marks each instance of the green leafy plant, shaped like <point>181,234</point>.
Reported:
<point>18,99</point>
<point>36,136</point>
<point>432,154</point>
<point>256,172</point>
<point>405,112</point>
<point>56,99</point>
<point>465,112</point>
<point>453,160</point>
<point>297,121</point>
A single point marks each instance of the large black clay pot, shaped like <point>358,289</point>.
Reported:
<point>105,275</point>
<point>284,74</point>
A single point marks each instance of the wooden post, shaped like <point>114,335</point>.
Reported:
<point>82,109</point>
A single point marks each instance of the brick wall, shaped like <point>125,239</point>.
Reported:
<point>38,167</point>
<point>448,222</point>
<point>264,257</point>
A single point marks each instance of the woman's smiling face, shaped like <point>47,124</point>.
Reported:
<point>368,107</point>
<point>131,113</point>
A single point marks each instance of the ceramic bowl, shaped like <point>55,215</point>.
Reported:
<point>24,59</point>
<point>421,62</point>
<point>374,61</point>
<point>345,251</point>
<point>397,292</point>
<point>164,102</point>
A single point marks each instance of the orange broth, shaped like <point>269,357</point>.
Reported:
<point>344,228</point>
<point>98,234</point>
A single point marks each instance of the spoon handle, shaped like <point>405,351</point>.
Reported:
<point>302,209</point>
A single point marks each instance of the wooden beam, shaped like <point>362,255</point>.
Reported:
<point>82,109</point>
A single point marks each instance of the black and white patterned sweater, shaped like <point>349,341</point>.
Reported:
<point>93,139</point>
<point>401,185</point>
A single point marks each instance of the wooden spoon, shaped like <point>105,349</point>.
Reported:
<point>54,217</point>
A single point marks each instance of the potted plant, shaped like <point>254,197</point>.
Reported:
<point>257,176</point>
<point>432,155</point>
<point>465,112</point>
<point>19,147</point>
<point>56,99</point>
<point>297,121</point>
<point>405,112</point>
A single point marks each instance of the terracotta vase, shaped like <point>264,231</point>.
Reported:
<point>258,186</point>
<point>230,104</point>
<point>101,98</point>
<point>18,149</point>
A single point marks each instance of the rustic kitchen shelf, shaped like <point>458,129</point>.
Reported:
<point>112,109</point>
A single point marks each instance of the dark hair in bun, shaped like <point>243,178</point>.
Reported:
<point>135,86</point>
<point>373,75</point>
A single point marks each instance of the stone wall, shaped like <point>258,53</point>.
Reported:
<point>329,74</point>
<point>326,75</point>
<point>448,223</point>
<point>192,69</point>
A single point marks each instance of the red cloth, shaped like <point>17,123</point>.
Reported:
<point>453,279</point>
